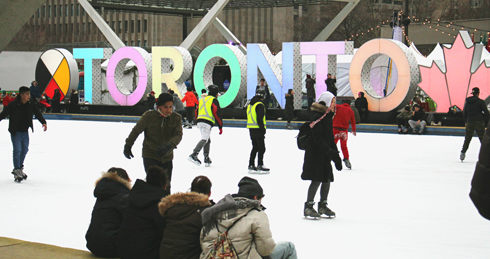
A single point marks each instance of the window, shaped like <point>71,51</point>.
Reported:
<point>49,11</point>
<point>398,2</point>
<point>54,10</point>
<point>386,1</point>
<point>145,25</point>
<point>146,43</point>
<point>72,10</point>
<point>67,7</point>
<point>44,11</point>
<point>139,43</point>
<point>49,29</point>
<point>83,11</point>
<point>83,27</point>
<point>61,10</point>
<point>113,26</point>
<point>119,28</point>
<point>89,27</point>
<point>38,12</point>
<point>78,9</point>
<point>132,26</point>
<point>138,29</point>
<point>132,43</point>
<point>66,28</point>
<point>126,26</point>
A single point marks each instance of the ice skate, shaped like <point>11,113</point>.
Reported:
<point>193,158</point>
<point>262,170</point>
<point>347,163</point>
<point>18,177</point>
<point>400,131</point>
<point>415,131</point>
<point>252,169</point>
<point>421,131</point>
<point>462,156</point>
<point>24,175</point>
<point>207,161</point>
<point>289,126</point>
<point>324,210</point>
<point>405,131</point>
<point>310,212</point>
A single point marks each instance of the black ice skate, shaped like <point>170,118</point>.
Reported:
<point>347,163</point>
<point>324,210</point>
<point>252,169</point>
<point>18,177</point>
<point>262,170</point>
<point>207,161</point>
<point>24,175</point>
<point>289,126</point>
<point>193,158</point>
<point>462,156</point>
<point>310,212</point>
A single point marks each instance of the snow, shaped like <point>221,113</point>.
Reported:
<point>406,197</point>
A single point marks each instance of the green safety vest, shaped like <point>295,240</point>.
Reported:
<point>205,109</point>
<point>252,116</point>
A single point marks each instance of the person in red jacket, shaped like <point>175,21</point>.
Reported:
<point>190,102</point>
<point>8,99</point>
<point>341,120</point>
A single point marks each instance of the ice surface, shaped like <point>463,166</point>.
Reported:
<point>406,196</point>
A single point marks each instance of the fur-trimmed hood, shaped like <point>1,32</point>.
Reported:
<point>110,184</point>
<point>319,108</point>
<point>192,199</point>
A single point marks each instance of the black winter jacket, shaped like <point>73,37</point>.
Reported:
<point>317,164</point>
<point>420,115</point>
<point>260,110</point>
<point>330,82</point>
<point>142,227</point>
<point>16,119</point>
<point>475,109</point>
<point>480,184</point>
<point>107,215</point>
<point>183,227</point>
<point>361,103</point>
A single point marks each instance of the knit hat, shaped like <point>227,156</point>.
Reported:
<point>249,187</point>
<point>416,105</point>
<point>326,97</point>
<point>475,91</point>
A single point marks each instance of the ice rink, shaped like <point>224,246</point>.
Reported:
<point>406,196</point>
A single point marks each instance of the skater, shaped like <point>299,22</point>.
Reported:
<point>343,117</point>
<point>20,120</point>
<point>310,90</point>
<point>243,218</point>
<point>142,225</point>
<point>163,132</point>
<point>256,125</point>
<point>475,114</point>
<point>480,184</point>
<point>108,212</point>
<point>289,109</point>
<point>402,120</point>
<point>417,120</point>
<point>150,101</point>
<point>330,82</point>
<point>184,223</point>
<point>190,107</point>
<point>265,88</point>
<point>56,101</point>
<point>319,153</point>
<point>208,113</point>
<point>362,107</point>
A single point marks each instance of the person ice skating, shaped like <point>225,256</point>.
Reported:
<point>190,106</point>
<point>21,111</point>
<point>310,90</point>
<point>163,132</point>
<point>417,120</point>
<point>242,216</point>
<point>142,225</point>
<point>108,211</point>
<point>362,107</point>
<point>330,82</point>
<point>256,125</point>
<point>262,86</point>
<point>289,109</point>
<point>475,114</point>
<point>184,223</point>
<point>343,117</point>
<point>402,120</point>
<point>319,153</point>
<point>480,184</point>
<point>208,113</point>
<point>178,105</point>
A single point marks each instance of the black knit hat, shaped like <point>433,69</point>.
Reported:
<point>249,187</point>
<point>475,90</point>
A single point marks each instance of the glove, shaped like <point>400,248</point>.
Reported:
<point>338,164</point>
<point>127,152</point>
<point>221,131</point>
<point>163,150</point>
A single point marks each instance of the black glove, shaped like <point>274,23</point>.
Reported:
<point>163,150</point>
<point>127,152</point>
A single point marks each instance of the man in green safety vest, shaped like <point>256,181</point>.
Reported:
<point>208,113</point>
<point>256,125</point>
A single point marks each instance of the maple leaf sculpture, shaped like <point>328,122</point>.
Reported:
<point>449,82</point>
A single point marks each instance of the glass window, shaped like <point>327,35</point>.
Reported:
<point>54,10</point>
<point>89,28</point>
<point>39,13</point>
<point>83,27</point>
<point>49,11</point>
<point>83,11</point>
<point>71,27</point>
<point>132,26</point>
<point>146,43</point>
<point>119,28</point>
<point>44,11</point>
<point>61,10</point>
<point>139,43</point>
<point>126,26</point>
<point>78,9</point>
<point>49,29</point>
<point>132,43</point>
<point>386,1</point>
<point>66,10</point>
<point>113,26</point>
<point>145,25</point>
<point>72,10</point>
<point>139,26</point>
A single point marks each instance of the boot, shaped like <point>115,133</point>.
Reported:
<point>462,156</point>
<point>207,161</point>
<point>310,212</point>
<point>24,175</point>
<point>193,158</point>
<point>18,177</point>
<point>252,169</point>
<point>289,126</point>
<point>324,210</point>
<point>347,163</point>
<point>261,169</point>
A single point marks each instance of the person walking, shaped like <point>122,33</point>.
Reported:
<point>163,132</point>
<point>475,114</point>
<point>21,111</point>
<point>318,156</point>
<point>330,82</point>
<point>310,90</point>
<point>289,109</point>
<point>190,106</point>
<point>256,124</point>
<point>208,114</point>
<point>362,107</point>
<point>344,117</point>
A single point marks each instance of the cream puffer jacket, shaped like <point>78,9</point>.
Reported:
<point>251,235</point>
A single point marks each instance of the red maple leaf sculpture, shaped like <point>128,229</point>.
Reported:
<point>451,84</point>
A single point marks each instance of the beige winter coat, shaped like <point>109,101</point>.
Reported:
<point>251,235</point>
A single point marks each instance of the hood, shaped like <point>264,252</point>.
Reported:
<point>318,108</point>
<point>472,99</point>
<point>345,105</point>
<point>244,205</point>
<point>255,100</point>
<point>110,184</point>
<point>183,204</point>
<point>144,195</point>
<point>204,95</point>
<point>362,94</point>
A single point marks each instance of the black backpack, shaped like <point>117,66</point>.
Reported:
<point>304,136</point>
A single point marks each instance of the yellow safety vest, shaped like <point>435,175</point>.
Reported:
<point>205,109</point>
<point>252,116</point>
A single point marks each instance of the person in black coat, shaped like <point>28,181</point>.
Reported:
<point>55,103</point>
<point>21,111</point>
<point>73,102</point>
<point>142,226</point>
<point>256,124</point>
<point>150,101</point>
<point>264,87</point>
<point>289,109</point>
<point>318,155</point>
<point>480,184</point>
<point>362,106</point>
<point>475,114</point>
<point>330,82</point>
<point>184,223</point>
<point>108,212</point>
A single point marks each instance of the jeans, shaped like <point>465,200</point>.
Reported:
<point>205,141</point>
<point>415,125</point>
<point>402,122</point>
<point>284,250</point>
<point>20,143</point>
<point>471,126</point>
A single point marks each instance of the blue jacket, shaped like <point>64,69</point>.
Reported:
<point>35,92</point>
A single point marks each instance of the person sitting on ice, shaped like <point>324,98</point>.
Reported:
<point>108,212</point>
<point>402,120</point>
<point>417,120</point>
<point>242,216</point>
